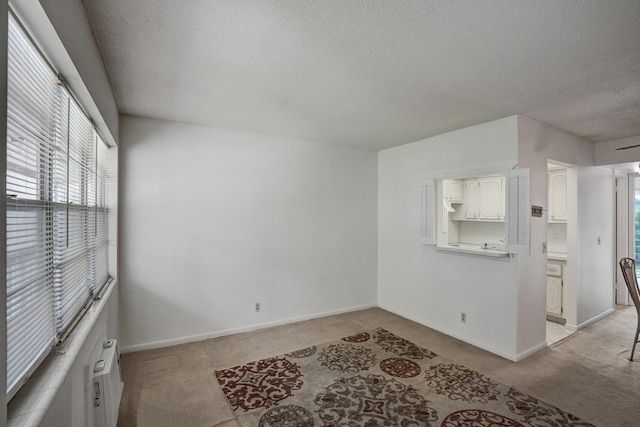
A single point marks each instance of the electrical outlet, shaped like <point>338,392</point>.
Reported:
<point>257,307</point>
<point>463,317</point>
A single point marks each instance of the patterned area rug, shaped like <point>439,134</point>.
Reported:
<point>377,379</point>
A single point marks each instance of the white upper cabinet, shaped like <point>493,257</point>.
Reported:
<point>452,189</point>
<point>491,198</point>
<point>484,199</point>
<point>558,195</point>
<point>471,198</point>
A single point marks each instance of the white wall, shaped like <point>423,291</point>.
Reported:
<point>538,143</point>
<point>214,220</point>
<point>590,199</point>
<point>596,263</point>
<point>432,287</point>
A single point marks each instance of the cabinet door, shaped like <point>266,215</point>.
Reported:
<point>557,196</point>
<point>554,269</point>
<point>471,198</point>
<point>455,191</point>
<point>554,295</point>
<point>491,195</point>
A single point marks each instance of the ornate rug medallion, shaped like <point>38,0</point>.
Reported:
<point>460,383</point>
<point>361,337</point>
<point>400,368</point>
<point>305,352</point>
<point>260,384</point>
<point>286,416</point>
<point>478,418</point>
<point>539,413</point>
<point>373,401</point>
<point>376,379</point>
<point>400,346</point>
<point>347,358</point>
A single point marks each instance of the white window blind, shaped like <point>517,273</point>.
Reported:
<point>57,209</point>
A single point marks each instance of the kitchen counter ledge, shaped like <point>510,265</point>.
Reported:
<point>558,256</point>
<point>473,250</point>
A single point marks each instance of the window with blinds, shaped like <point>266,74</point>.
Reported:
<point>57,209</point>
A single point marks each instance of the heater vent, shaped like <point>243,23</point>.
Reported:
<point>106,386</point>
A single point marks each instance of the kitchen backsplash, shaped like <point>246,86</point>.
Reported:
<point>494,232</point>
<point>481,232</point>
<point>557,237</point>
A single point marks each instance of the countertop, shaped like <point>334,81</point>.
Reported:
<point>474,249</point>
<point>558,256</point>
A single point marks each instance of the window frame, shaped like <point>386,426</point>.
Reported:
<point>45,202</point>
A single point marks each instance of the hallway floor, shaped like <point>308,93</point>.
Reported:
<point>557,332</point>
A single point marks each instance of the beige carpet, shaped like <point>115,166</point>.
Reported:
<point>587,374</point>
<point>376,378</point>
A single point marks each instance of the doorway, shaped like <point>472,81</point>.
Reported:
<point>559,296</point>
<point>627,229</point>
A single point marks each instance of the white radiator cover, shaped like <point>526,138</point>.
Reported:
<point>106,386</point>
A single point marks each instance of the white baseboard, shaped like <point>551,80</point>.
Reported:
<point>524,354</point>
<point>571,327</point>
<point>509,356</point>
<point>221,333</point>
<point>500,353</point>
<point>216,334</point>
<point>594,319</point>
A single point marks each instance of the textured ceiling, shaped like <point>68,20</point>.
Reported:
<point>374,73</point>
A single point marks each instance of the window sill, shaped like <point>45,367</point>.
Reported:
<point>29,406</point>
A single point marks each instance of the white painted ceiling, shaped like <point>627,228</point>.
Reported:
<point>374,73</point>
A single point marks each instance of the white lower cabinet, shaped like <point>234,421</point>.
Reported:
<point>554,295</point>
<point>554,287</point>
